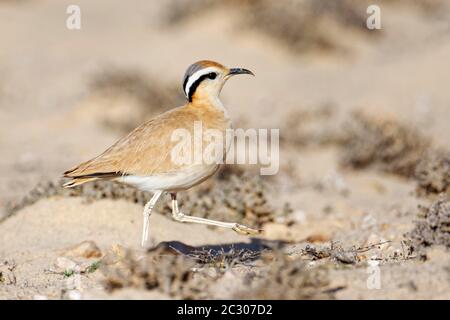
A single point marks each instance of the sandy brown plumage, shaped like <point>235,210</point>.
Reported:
<point>144,158</point>
<point>146,150</point>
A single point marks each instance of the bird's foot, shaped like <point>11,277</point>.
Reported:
<point>241,229</point>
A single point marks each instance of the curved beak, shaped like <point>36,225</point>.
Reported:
<point>235,71</point>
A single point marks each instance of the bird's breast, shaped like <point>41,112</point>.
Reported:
<point>178,180</point>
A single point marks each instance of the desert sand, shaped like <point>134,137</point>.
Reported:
<point>349,185</point>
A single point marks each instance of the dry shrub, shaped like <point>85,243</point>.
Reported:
<point>279,277</point>
<point>373,141</point>
<point>178,11</point>
<point>284,278</point>
<point>383,143</point>
<point>305,25</point>
<point>170,273</point>
<point>388,145</point>
<point>298,24</point>
<point>433,173</point>
<point>222,259</point>
<point>433,226</point>
<point>125,98</point>
<point>428,7</point>
<point>334,252</point>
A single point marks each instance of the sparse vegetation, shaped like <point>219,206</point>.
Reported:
<point>68,273</point>
<point>432,227</point>
<point>233,195</point>
<point>93,267</point>
<point>433,173</point>
<point>283,278</point>
<point>384,143</point>
<point>171,274</point>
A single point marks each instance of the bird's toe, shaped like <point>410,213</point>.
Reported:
<point>241,229</point>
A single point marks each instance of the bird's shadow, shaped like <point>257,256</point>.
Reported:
<point>253,249</point>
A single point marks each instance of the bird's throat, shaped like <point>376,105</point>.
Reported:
<point>209,103</point>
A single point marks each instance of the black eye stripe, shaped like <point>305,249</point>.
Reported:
<point>211,75</point>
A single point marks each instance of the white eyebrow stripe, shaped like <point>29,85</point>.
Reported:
<point>195,76</point>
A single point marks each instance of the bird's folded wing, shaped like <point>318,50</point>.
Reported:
<point>144,151</point>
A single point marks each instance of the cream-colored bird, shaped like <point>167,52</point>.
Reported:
<point>144,158</point>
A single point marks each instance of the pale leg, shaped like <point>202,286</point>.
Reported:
<point>179,216</point>
<point>147,212</point>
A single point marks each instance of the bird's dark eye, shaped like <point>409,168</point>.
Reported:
<point>212,75</point>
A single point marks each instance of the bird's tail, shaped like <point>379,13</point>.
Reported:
<point>78,181</point>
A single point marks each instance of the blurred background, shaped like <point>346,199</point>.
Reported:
<point>363,116</point>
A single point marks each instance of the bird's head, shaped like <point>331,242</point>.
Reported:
<point>205,79</point>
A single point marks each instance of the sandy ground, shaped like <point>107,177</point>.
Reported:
<point>51,118</point>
